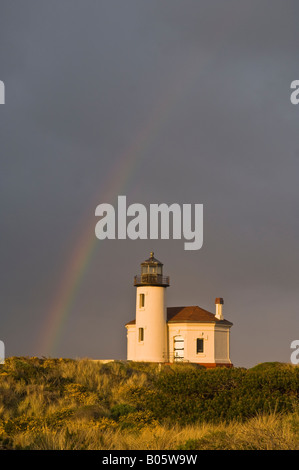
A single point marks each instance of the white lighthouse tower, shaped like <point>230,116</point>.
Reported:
<point>150,343</point>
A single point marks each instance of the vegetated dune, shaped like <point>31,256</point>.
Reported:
<point>84,404</point>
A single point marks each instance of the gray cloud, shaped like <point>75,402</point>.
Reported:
<point>196,97</point>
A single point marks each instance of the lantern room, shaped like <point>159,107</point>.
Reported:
<point>151,273</point>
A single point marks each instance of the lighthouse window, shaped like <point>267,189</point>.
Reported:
<point>199,345</point>
<point>141,335</point>
<point>141,300</point>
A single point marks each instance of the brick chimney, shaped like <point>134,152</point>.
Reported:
<point>219,302</point>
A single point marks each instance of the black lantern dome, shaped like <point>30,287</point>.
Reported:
<point>151,273</point>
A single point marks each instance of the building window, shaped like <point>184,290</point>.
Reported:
<point>141,300</point>
<point>199,345</point>
<point>141,335</point>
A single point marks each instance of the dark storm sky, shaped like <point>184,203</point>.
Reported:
<point>193,97</point>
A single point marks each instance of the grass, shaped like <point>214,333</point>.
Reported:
<point>63,404</point>
<point>260,433</point>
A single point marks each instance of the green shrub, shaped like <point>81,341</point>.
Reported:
<point>195,395</point>
<point>121,409</point>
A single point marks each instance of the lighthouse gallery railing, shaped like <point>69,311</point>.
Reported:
<point>155,279</point>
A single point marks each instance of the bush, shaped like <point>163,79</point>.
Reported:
<point>121,409</point>
<point>189,396</point>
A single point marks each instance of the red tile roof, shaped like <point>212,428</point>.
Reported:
<point>191,314</point>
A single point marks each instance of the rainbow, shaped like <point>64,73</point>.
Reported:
<point>84,249</point>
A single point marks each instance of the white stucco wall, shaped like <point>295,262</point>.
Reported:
<point>131,336</point>
<point>190,333</point>
<point>152,318</point>
<point>222,345</point>
<point>216,339</point>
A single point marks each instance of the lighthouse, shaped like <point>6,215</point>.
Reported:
<point>150,342</point>
<point>174,334</point>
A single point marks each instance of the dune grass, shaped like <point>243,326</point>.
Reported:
<point>64,404</point>
<point>269,432</point>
